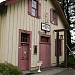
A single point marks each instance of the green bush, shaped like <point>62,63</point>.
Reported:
<point>71,60</point>
<point>9,69</point>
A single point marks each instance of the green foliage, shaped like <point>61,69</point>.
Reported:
<point>9,69</point>
<point>71,60</point>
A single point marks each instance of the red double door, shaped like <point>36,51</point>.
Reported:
<point>45,53</point>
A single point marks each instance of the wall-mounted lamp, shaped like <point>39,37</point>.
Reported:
<point>61,37</point>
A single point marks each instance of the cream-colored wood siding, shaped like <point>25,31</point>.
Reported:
<point>17,18</point>
<point>2,35</point>
<point>53,37</point>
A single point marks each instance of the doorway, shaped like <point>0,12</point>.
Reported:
<point>24,54</point>
<point>45,51</point>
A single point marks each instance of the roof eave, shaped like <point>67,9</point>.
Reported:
<point>60,12</point>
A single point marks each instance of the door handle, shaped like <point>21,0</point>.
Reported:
<point>24,52</point>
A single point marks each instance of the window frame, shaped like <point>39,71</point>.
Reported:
<point>53,17</point>
<point>38,13</point>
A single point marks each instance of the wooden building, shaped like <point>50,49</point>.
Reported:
<point>27,33</point>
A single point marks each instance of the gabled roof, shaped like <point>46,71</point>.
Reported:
<point>54,2</point>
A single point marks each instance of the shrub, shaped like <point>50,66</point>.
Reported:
<point>9,69</point>
<point>71,60</point>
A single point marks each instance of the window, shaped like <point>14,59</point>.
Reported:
<point>45,39</point>
<point>23,37</point>
<point>35,49</point>
<point>53,17</point>
<point>34,8</point>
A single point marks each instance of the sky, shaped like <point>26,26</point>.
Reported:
<point>1,1</point>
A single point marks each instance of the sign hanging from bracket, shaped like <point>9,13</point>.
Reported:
<point>45,27</point>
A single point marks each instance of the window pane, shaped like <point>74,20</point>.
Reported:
<point>54,17</point>
<point>34,4</point>
<point>23,37</point>
<point>44,39</point>
<point>33,12</point>
<point>54,14</point>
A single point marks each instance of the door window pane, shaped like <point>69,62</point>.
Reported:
<point>23,37</point>
<point>45,39</point>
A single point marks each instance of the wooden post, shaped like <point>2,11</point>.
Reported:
<point>65,49</point>
<point>57,48</point>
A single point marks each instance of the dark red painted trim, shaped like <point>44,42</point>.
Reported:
<point>30,33</point>
<point>39,10</point>
<point>50,15</point>
<point>44,35</point>
<point>57,18</point>
<point>30,7</point>
<point>51,20</point>
<point>8,2</point>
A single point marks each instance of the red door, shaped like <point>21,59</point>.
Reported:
<point>45,52</point>
<point>23,53</point>
<point>23,57</point>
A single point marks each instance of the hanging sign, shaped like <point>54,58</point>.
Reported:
<point>45,27</point>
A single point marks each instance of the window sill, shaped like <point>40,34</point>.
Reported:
<point>34,16</point>
<point>54,24</point>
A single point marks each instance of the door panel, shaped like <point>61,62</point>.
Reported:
<point>45,51</point>
<point>24,52</point>
<point>23,61</point>
<point>42,54</point>
<point>23,57</point>
<point>45,55</point>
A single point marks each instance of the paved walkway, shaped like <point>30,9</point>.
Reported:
<point>69,71</point>
<point>48,71</point>
<point>54,71</point>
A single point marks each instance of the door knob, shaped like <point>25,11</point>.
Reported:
<point>24,52</point>
<point>19,47</point>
